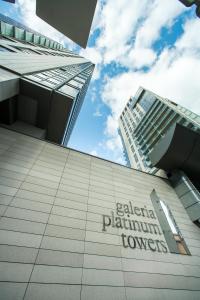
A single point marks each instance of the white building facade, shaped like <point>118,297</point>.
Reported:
<point>73,226</point>
<point>41,83</point>
<point>145,120</point>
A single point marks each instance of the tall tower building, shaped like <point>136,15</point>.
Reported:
<point>145,120</point>
<point>42,84</point>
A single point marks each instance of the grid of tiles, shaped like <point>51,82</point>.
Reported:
<point>51,240</point>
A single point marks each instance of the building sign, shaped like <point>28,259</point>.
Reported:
<point>131,218</point>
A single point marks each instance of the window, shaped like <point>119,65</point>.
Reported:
<point>132,149</point>
<point>174,228</point>
<point>169,217</point>
<point>137,119</point>
<point>2,37</point>
<point>80,79</point>
<point>26,50</point>
<point>66,89</point>
<point>193,116</point>
<point>136,158</point>
<point>75,84</point>
<point>173,236</point>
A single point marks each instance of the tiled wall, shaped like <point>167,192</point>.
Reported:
<point>51,241</point>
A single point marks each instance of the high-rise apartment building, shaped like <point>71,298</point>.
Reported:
<point>42,84</point>
<point>145,120</point>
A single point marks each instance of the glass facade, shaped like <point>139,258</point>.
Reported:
<point>54,85</point>
<point>171,231</point>
<point>14,29</point>
<point>145,120</point>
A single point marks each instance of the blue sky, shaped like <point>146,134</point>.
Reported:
<point>150,43</point>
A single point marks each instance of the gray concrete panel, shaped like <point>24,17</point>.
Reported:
<point>65,232</point>
<point>12,290</point>
<point>53,243</point>
<point>17,254</point>
<point>52,292</point>
<point>58,258</point>
<point>103,292</point>
<point>25,214</point>
<point>66,221</point>
<point>21,225</point>
<point>19,239</point>
<point>102,277</point>
<point>15,272</point>
<point>32,205</point>
<point>53,274</point>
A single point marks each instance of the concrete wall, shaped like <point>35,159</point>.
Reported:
<point>9,84</point>
<point>51,241</point>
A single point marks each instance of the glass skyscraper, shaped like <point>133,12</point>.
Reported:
<point>42,84</point>
<point>147,118</point>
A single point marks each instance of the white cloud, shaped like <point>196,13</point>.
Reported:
<point>114,143</point>
<point>189,39</point>
<point>161,14</point>
<point>174,75</point>
<point>111,126</point>
<point>112,149</point>
<point>94,153</point>
<point>117,91</point>
<point>138,58</point>
<point>97,113</point>
<point>94,55</point>
<point>93,93</point>
<point>119,20</point>
<point>129,28</point>
<point>97,16</point>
